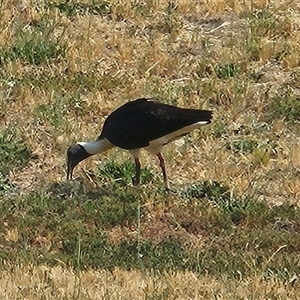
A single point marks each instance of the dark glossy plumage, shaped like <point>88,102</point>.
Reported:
<point>136,123</point>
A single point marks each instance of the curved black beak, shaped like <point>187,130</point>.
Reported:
<point>75,154</point>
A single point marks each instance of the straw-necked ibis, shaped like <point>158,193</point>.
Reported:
<point>142,123</point>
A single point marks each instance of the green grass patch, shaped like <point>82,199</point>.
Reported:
<point>124,172</point>
<point>166,255</point>
<point>219,128</point>
<point>241,235</point>
<point>227,70</point>
<point>243,146</point>
<point>35,45</point>
<point>5,185</point>
<point>13,152</point>
<point>285,104</point>
<point>72,8</point>
<point>211,190</point>
<point>230,210</point>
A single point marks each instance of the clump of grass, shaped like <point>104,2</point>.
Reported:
<point>166,255</point>
<point>219,128</point>
<point>285,104</point>
<point>264,24</point>
<point>233,210</point>
<point>72,8</point>
<point>243,146</point>
<point>5,185</point>
<point>13,152</point>
<point>227,70</point>
<point>35,45</point>
<point>211,190</point>
<point>124,172</point>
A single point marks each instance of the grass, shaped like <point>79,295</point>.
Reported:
<point>124,172</point>
<point>34,45</point>
<point>284,104</point>
<point>229,230</point>
<point>52,224</point>
<point>73,8</point>
<point>14,155</point>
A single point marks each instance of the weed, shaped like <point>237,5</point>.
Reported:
<point>264,25</point>
<point>243,146</point>
<point>219,128</point>
<point>13,152</point>
<point>233,210</point>
<point>5,185</point>
<point>170,21</point>
<point>226,71</point>
<point>210,190</point>
<point>35,45</point>
<point>284,104</point>
<point>72,8</point>
<point>124,172</point>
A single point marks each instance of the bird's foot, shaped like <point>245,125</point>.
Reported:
<point>168,189</point>
<point>135,181</point>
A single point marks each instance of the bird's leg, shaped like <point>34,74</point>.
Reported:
<point>163,168</point>
<point>136,179</point>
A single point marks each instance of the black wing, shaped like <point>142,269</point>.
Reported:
<point>136,123</point>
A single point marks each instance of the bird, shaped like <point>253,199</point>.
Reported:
<point>141,123</point>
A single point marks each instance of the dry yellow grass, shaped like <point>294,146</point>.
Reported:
<point>60,283</point>
<point>130,55</point>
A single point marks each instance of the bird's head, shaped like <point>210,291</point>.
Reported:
<point>75,154</point>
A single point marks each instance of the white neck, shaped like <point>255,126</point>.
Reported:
<point>97,146</point>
